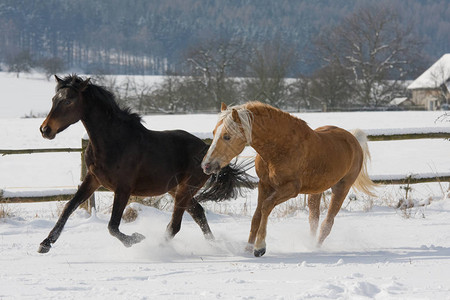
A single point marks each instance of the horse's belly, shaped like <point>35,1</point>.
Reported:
<point>318,182</point>
<point>314,188</point>
<point>148,192</point>
<point>153,186</point>
<point>142,185</point>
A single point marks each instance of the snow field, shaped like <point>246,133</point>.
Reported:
<point>373,252</point>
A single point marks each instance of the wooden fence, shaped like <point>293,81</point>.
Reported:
<point>88,205</point>
<point>91,203</point>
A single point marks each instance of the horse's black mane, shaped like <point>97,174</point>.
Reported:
<point>100,94</point>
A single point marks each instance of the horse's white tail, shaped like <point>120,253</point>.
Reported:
<point>363,183</point>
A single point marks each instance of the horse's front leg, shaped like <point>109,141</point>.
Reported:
<point>281,194</point>
<point>120,202</point>
<point>86,189</point>
<point>264,190</point>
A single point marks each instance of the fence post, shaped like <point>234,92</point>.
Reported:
<point>90,203</point>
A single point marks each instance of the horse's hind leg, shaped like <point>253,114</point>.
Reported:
<point>314,212</point>
<point>174,225</point>
<point>87,187</point>
<point>184,200</point>
<point>120,202</point>
<point>198,214</point>
<point>339,191</point>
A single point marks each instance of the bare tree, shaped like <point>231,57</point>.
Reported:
<point>300,94</point>
<point>21,62</point>
<point>269,66</point>
<point>212,65</point>
<point>51,66</point>
<point>167,96</point>
<point>375,46</point>
<point>178,94</point>
<point>329,86</point>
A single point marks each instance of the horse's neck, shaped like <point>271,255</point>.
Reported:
<point>103,128</point>
<point>275,132</point>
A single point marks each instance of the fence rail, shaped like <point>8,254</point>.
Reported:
<point>408,136</point>
<point>371,137</point>
<point>88,205</point>
<point>412,179</point>
<point>4,152</point>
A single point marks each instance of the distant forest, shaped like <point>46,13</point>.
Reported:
<point>153,37</point>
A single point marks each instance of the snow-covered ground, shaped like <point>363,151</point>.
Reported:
<point>373,251</point>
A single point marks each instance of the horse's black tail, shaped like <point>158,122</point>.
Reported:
<point>229,183</point>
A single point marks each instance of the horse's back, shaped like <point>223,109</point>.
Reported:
<point>335,136</point>
<point>181,142</point>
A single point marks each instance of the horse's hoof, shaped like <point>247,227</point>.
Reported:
<point>137,237</point>
<point>249,248</point>
<point>259,252</point>
<point>210,237</point>
<point>44,247</point>
<point>130,240</point>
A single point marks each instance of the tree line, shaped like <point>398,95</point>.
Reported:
<point>362,63</point>
<point>150,37</point>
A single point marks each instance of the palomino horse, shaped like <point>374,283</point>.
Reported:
<point>128,159</point>
<point>292,159</point>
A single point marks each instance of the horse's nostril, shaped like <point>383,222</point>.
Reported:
<point>207,168</point>
<point>45,130</point>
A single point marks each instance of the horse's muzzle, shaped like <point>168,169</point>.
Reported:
<point>210,168</point>
<point>46,132</point>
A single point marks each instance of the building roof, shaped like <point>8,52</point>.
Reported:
<point>398,100</point>
<point>434,76</point>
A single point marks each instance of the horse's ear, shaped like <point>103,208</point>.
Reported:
<point>84,84</point>
<point>235,116</point>
<point>58,80</point>
<point>223,107</point>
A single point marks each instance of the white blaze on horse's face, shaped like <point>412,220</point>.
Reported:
<point>223,149</point>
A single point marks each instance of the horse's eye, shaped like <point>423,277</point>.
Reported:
<point>67,102</point>
<point>226,137</point>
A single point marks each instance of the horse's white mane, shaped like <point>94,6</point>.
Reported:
<point>243,129</point>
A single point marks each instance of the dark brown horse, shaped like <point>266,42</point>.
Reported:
<point>128,159</point>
